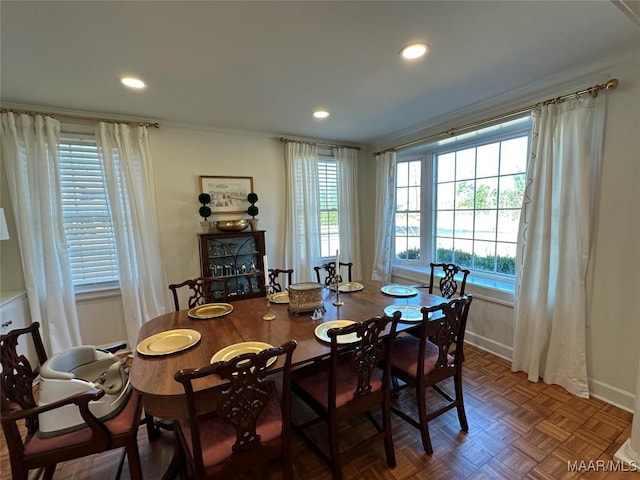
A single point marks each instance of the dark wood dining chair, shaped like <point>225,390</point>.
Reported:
<point>450,274</point>
<point>326,273</point>
<point>200,291</point>
<point>27,449</point>
<point>350,384</point>
<point>251,422</point>
<point>274,279</point>
<point>425,361</point>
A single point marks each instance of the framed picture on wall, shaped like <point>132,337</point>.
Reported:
<point>228,194</point>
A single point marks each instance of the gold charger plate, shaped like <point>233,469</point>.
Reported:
<point>410,313</point>
<point>171,341</point>
<point>399,291</point>
<point>279,297</point>
<point>210,310</point>
<point>350,287</point>
<point>227,353</point>
<point>321,332</point>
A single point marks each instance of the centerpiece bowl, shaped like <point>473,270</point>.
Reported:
<point>232,225</point>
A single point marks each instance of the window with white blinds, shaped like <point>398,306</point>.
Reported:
<point>328,186</point>
<point>86,217</point>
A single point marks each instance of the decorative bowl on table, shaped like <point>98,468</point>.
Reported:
<point>232,225</point>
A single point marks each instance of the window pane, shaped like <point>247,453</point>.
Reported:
<point>402,202</point>
<point>445,195</point>
<point>485,227</point>
<point>508,221</point>
<point>414,198</point>
<point>512,191</point>
<point>462,252</point>
<point>402,174</point>
<point>514,156</point>
<point>446,167</point>
<point>487,193</point>
<point>465,194</point>
<point>464,224</point>
<point>488,160</point>
<point>401,247</point>
<point>506,258</point>
<point>413,248</point>
<point>402,220</point>
<point>444,224</point>
<point>444,250</point>
<point>484,255</point>
<point>466,164</point>
<point>413,224</point>
<point>414,173</point>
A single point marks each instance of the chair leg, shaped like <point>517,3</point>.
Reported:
<point>153,432</point>
<point>133,455</point>
<point>334,452</point>
<point>395,387</point>
<point>422,419</point>
<point>49,471</point>
<point>388,437</point>
<point>287,462</point>
<point>462,416</point>
<point>121,464</point>
<point>287,466</point>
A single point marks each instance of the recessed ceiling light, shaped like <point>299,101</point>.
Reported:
<point>321,114</point>
<point>132,82</point>
<point>414,50</point>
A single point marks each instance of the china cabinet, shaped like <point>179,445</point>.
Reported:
<point>234,260</point>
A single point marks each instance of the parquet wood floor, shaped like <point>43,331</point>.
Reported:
<point>517,430</point>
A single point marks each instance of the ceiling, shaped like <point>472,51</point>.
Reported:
<point>265,66</point>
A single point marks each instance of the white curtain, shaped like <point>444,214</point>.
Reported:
<point>127,163</point>
<point>302,237</point>
<point>348,219</point>
<point>385,207</point>
<point>30,154</point>
<point>555,243</point>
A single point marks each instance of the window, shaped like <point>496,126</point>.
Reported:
<point>469,209</point>
<point>86,217</point>
<point>328,189</point>
<point>408,210</point>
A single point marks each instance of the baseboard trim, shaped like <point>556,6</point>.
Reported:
<point>613,395</point>
<point>483,343</point>
<point>597,389</point>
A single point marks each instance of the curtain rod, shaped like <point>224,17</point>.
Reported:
<point>57,116</point>
<point>285,140</point>
<point>610,85</point>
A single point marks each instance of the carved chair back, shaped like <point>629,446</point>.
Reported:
<point>240,406</point>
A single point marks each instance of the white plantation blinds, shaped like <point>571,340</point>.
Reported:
<point>328,187</point>
<point>86,218</point>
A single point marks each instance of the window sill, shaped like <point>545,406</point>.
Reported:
<point>93,292</point>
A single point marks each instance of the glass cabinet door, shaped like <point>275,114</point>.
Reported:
<point>235,262</point>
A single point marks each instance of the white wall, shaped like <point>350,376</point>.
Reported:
<point>180,156</point>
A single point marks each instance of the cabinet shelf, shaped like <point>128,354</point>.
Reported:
<point>223,256</point>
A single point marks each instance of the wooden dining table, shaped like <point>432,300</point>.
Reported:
<point>153,375</point>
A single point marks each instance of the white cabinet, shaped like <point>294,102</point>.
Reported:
<point>14,313</point>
